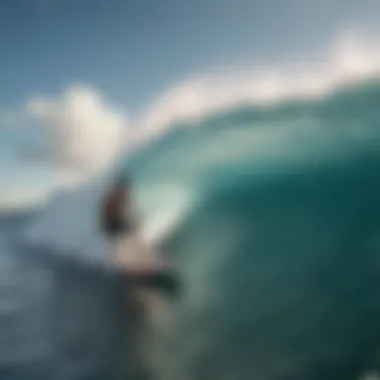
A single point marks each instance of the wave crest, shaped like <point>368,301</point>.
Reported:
<point>350,60</point>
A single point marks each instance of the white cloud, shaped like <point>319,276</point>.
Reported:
<point>354,59</point>
<point>84,132</point>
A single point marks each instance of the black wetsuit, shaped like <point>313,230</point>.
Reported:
<point>117,226</point>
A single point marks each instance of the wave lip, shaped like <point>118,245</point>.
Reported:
<point>349,61</point>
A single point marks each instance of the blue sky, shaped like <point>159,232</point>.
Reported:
<point>134,50</point>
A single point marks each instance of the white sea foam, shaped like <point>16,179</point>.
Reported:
<point>349,60</point>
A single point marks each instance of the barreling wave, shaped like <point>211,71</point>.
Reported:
<point>279,252</point>
<point>271,211</point>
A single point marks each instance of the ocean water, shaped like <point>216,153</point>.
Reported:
<point>271,215</point>
<point>279,239</point>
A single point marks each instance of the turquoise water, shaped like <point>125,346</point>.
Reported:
<point>272,217</point>
<point>278,238</point>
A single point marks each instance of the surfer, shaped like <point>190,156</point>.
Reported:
<point>120,224</point>
<point>113,218</point>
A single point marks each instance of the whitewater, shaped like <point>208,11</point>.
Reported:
<point>270,211</point>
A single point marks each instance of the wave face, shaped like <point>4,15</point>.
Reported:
<point>273,218</point>
<point>278,239</point>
